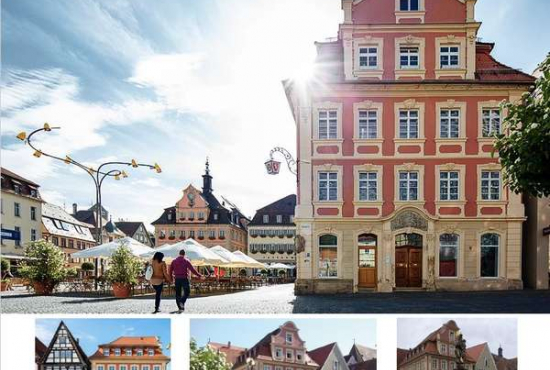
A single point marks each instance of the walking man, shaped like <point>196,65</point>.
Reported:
<point>180,268</point>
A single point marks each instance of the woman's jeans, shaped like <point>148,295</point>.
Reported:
<point>158,294</point>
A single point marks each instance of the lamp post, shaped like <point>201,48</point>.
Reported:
<point>250,363</point>
<point>98,175</point>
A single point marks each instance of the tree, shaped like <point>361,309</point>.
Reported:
<point>525,150</point>
<point>124,267</point>
<point>206,358</point>
<point>44,267</point>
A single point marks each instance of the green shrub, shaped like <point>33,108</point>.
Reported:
<point>45,263</point>
<point>124,267</point>
<point>5,265</point>
<point>72,272</point>
<point>87,266</point>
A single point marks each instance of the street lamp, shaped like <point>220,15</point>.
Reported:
<point>250,363</point>
<point>273,167</point>
<point>98,175</point>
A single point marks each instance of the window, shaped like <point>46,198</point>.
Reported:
<point>172,233</point>
<point>449,57</point>
<point>191,234</point>
<point>221,234</point>
<point>55,240</point>
<point>368,186</point>
<point>156,367</point>
<point>452,365</point>
<point>100,367</point>
<point>328,256</point>
<point>112,367</point>
<point>434,363</point>
<point>123,367</point>
<point>408,5</point>
<point>267,367</point>
<point>335,365</point>
<point>443,365</point>
<point>452,336</point>
<point>216,216</point>
<point>139,352</point>
<point>128,352</point>
<point>289,338</point>
<point>368,122</point>
<point>144,367</point>
<point>448,255</point>
<point>299,356</point>
<point>448,185</point>
<point>368,57</point>
<point>201,233</point>
<point>449,124</point>
<point>182,234</point>
<point>289,354</point>
<point>106,352</point>
<point>408,124</point>
<point>443,348</point>
<point>17,189</point>
<point>18,230</point>
<point>17,209</point>
<point>278,352</point>
<point>151,352</point>
<point>33,213</point>
<point>451,353</point>
<point>117,351</point>
<point>279,219</point>
<point>491,122</point>
<point>489,255</point>
<point>134,367</point>
<point>490,185</point>
<point>328,186</point>
<point>409,58</point>
<point>201,215</point>
<point>408,185</point>
<point>33,235</point>
<point>266,219</point>
<point>162,234</point>
<point>328,124</point>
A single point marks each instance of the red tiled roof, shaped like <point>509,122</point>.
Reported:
<point>489,69</point>
<point>127,342</point>
<point>39,349</point>
<point>401,355</point>
<point>230,351</point>
<point>321,354</point>
<point>133,342</point>
<point>506,364</point>
<point>475,351</point>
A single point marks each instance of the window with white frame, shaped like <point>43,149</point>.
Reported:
<point>452,336</point>
<point>443,365</point>
<point>156,367</point>
<point>278,353</point>
<point>33,234</point>
<point>368,124</point>
<point>408,185</point>
<point>139,352</point>
<point>106,352</point>
<point>368,57</point>
<point>408,5</point>
<point>134,367</point>
<point>489,254</point>
<point>145,367</point>
<point>299,356</point>
<point>368,186</point>
<point>448,256</point>
<point>128,352</point>
<point>328,256</point>
<point>100,367</point>
<point>117,351</point>
<point>151,352</point>
<point>123,367</point>
<point>434,363</point>
<point>491,122</point>
<point>328,124</point>
<point>449,56</point>
<point>449,125</point>
<point>265,219</point>
<point>448,185</point>
<point>288,337</point>
<point>279,219</point>
<point>328,186</point>
<point>409,57</point>
<point>451,351</point>
<point>267,367</point>
<point>443,348</point>
<point>452,365</point>
<point>289,354</point>
<point>112,367</point>
<point>16,209</point>
<point>490,185</point>
<point>408,124</point>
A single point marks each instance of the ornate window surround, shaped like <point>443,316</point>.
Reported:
<point>328,204</point>
<point>408,167</point>
<point>315,129</point>
<point>368,105</point>
<point>368,41</point>
<point>379,188</point>
<point>402,14</point>
<point>461,202</point>
<point>461,140</point>
<point>503,201</point>
<point>411,41</point>
<point>450,40</point>
<point>482,141</point>
<point>315,252</point>
<point>502,251</point>
<point>451,229</point>
<point>410,104</point>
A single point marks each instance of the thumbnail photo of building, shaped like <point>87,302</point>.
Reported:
<point>465,344</point>
<point>102,344</point>
<point>270,344</point>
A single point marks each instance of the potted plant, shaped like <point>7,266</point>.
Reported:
<point>44,266</point>
<point>87,267</point>
<point>123,271</point>
<point>5,282</point>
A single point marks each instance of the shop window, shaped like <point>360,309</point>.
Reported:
<point>490,244</point>
<point>328,256</point>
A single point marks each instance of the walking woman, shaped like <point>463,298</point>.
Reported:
<point>160,276</point>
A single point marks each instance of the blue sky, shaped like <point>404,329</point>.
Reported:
<point>93,332</point>
<point>494,331</point>
<point>315,332</point>
<point>176,82</point>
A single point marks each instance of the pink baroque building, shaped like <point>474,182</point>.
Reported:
<point>397,187</point>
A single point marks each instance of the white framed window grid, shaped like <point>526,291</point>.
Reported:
<point>449,185</point>
<point>328,124</point>
<point>408,124</point>
<point>408,185</point>
<point>368,124</point>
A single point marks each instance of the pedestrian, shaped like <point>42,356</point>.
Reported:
<point>159,277</point>
<point>180,268</point>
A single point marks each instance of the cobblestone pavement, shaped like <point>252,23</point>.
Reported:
<point>281,299</point>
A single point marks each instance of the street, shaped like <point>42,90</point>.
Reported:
<point>280,299</point>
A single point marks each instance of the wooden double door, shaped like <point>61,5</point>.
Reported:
<point>408,267</point>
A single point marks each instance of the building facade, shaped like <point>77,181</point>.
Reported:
<point>361,358</point>
<point>282,349</point>
<point>437,351</point>
<point>271,232</point>
<point>483,357</point>
<point>201,216</point>
<point>130,353</point>
<point>397,187</point>
<point>109,231</point>
<point>65,231</point>
<point>329,357</point>
<point>21,210</point>
<point>137,231</point>
<point>63,353</point>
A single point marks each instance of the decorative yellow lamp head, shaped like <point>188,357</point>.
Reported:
<point>91,170</point>
<point>134,163</point>
<point>157,168</point>
<point>124,174</point>
<point>47,127</point>
<point>68,159</point>
<point>117,177</point>
<point>38,154</point>
<point>22,135</point>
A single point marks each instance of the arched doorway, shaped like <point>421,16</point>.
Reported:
<point>367,244</point>
<point>408,260</point>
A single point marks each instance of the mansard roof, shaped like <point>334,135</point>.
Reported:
<point>73,345</point>
<point>284,207</point>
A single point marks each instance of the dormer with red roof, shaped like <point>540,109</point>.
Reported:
<point>130,353</point>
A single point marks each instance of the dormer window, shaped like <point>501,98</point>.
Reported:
<point>409,5</point>
<point>128,352</point>
<point>169,216</point>
<point>409,57</point>
<point>279,219</point>
<point>265,219</point>
<point>106,352</point>
<point>139,352</point>
<point>117,351</point>
<point>216,216</point>
<point>151,352</point>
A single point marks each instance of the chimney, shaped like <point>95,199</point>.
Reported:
<point>75,208</point>
<point>229,344</point>
<point>207,179</point>
<point>500,351</point>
